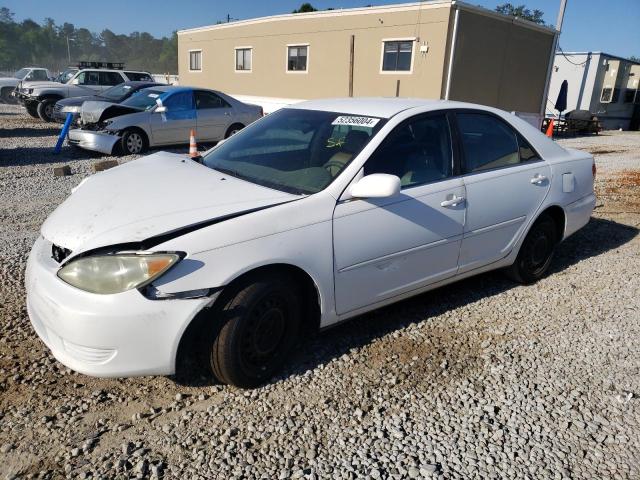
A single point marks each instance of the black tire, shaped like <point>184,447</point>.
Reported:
<point>233,129</point>
<point>45,109</point>
<point>133,142</point>
<point>260,324</point>
<point>536,252</point>
<point>32,109</point>
<point>6,96</point>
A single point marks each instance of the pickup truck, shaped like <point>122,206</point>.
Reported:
<point>39,98</point>
<point>27,74</point>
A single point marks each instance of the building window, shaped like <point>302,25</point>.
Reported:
<point>297,56</point>
<point>605,96</point>
<point>616,95</point>
<point>195,60</point>
<point>397,55</point>
<point>630,95</point>
<point>243,59</point>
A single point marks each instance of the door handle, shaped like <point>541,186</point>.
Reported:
<point>452,202</point>
<point>538,179</point>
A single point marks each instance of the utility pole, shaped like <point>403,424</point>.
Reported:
<point>552,56</point>
<point>560,19</point>
<point>68,50</point>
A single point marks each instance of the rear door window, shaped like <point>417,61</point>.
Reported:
<point>110,78</point>
<point>206,100</point>
<point>487,142</point>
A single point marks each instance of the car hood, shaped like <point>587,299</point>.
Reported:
<point>75,101</point>
<point>9,81</point>
<point>39,84</point>
<point>156,195</point>
<point>98,111</point>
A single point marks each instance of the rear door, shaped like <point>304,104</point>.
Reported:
<point>174,125</point>
<point>506,182</point>
<point>214,115</point>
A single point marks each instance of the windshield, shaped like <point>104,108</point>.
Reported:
<point>20,74</point>
<point>294,150</point>
<point>118,92</point>
<point>144,100</point>
<point>65,76</point>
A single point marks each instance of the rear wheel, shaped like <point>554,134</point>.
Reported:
<point>536,252</point>
<point>233,129</point>
<point>261,323</point>
<point>32,109</point>
<point>133,142</point>
<point>45,109</point>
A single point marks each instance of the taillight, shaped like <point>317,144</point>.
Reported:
<point>594,169</point>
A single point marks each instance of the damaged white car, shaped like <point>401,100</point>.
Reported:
<point>160,116</point>
<point>314,214</point>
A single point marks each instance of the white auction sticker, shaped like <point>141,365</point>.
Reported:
<point>356,121</point>
<point>153,95</point>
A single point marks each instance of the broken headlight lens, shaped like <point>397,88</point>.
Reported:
<point>108,274</point>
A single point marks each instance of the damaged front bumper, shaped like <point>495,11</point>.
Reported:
<point>115,335</point>
<point>97,141</point>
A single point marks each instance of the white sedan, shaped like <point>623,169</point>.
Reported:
<point>312,215</point>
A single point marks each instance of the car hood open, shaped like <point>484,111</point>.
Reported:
<point>156,195</point>
<point>95,111</point>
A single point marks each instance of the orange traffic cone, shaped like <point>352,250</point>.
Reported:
<point>550,129</point>
<point>193,146</point>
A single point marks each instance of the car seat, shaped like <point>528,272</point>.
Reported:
<point>353,142</point>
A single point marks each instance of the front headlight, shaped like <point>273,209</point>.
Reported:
<point>108,274</point>
<point>71,109</point>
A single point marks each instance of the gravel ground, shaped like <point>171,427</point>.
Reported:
<point>479,379</point>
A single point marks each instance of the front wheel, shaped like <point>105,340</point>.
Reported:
<point>32,109</point>
<point>536,252</point>
<point>45,110</point>
<point>133,142</point>
<point>7,97</point>
<point>261,322</point>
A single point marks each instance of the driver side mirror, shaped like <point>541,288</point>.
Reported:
<point>376,185</point>
<point>161,109</point>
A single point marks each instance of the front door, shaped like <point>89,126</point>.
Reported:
<point>175,124</point>
<point>506,182</point>
<point>386,247</point>
<point>213,116</point>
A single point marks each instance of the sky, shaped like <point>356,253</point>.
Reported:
<point>611,26</point>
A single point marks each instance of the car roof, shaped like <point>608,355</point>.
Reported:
<point>168,88</point>
<point>148,83</point>
<point>175,88</point>
<point>384,107</point>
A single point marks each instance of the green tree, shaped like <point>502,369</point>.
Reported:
<point>30,43</point>
<point>305,7</point>
<point>521,11</point>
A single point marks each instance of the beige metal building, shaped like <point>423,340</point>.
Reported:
<point>431,49</point>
